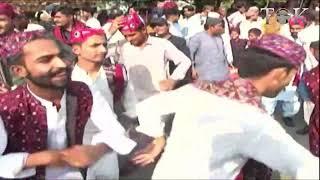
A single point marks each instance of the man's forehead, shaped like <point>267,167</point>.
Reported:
<point>96,39</point>
<point>59,14</point>
<point>41,47</point>
<point>161,25</point>
<point>3,16</point>
<point>130,33</point>
<point>296,26</point>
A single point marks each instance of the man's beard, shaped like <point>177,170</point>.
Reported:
<point>45,80</point>
<point>294,35</point>
<point>4,31</point>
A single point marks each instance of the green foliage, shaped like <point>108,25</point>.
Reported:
<point>260,3</point>
<point>227,3</point>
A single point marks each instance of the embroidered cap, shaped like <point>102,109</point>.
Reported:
<point>169,4</point>
<point>297,20</point>
<point>282,47</point>
<point>131,22</point>
<point>82,34</point>
<point>7,9</point>
<point>14,43</point>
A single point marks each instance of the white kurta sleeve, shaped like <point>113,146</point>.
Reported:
<point>12,164</point>
<point>111,131</point>
<point>227,47</point>
<point>152,109</point>
<point>266,141</point>
<point>183,62</point>
<point>130,100</point>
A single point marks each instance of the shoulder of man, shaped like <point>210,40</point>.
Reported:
<point>180,40</point>
<point>198,36</point>
<point>12,98</point>
<point>78,88</point>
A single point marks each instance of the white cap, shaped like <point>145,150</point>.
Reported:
<point>214,15</point>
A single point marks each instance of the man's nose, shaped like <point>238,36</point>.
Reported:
<point>59,63</point>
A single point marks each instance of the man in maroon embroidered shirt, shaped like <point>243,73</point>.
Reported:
<point>65,23</point>
<point>43,123</point>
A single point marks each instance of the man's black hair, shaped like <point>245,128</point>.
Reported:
<point>213,22</point>
<point>189,7</point>
<point>63,9</point>
<point>88,9</point>
<point>241,3</point>
<point>171,11</point>
<point>158,22</point>
<point>255,31</point>
<point>255,62</point>
<point>103,16</point>
<point>115,12</point>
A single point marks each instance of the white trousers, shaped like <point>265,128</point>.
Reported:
<point>290,102</point>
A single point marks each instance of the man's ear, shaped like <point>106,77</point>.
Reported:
<point>19,71</point>
<point>70,17</point>
<point>76,49</point>
<point>282,74</point>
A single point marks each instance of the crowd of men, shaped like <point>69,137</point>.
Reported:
<point>164,93</point>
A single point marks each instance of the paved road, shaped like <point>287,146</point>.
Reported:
<point>299,122</point>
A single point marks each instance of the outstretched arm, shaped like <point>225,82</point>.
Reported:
<point>268,143</point>
<point>151,110</point>
<point>23,164</point>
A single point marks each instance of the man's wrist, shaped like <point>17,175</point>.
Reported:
<point>101,148</point>
<point>159,144</point>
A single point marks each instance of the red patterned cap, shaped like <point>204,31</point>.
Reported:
<point>7,9</point>
<point>169,4</point>
<point>297,20</point>
<point>282,47</point>
<point>12,45</point>
<point>82,34</point>
<point>131,22</point>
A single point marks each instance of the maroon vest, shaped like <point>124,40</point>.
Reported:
<point>25,119</point>
<point>116,75</point>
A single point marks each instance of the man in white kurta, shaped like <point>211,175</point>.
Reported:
<point>89,46</point>
<point>145,59</point>
<point>227,125</point>
<point>100,127</point>
<point>109,133</point>
<point>215,136</point>
<point>253,21</point>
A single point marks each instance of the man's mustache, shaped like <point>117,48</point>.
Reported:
<point>60,70</point>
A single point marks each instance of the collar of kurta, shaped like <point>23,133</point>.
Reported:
<point>149,40</point>
<point>83,72</point>
<point>47,103</point>
<point>147,43</point>
<point>238,89</point>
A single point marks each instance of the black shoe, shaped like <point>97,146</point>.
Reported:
<point>303,131</point>
<point>288,122</point>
